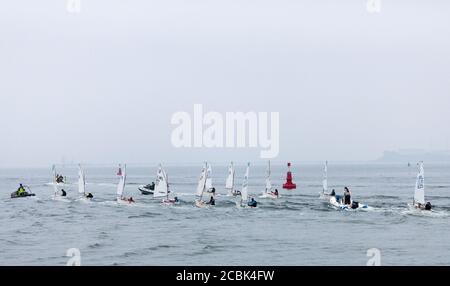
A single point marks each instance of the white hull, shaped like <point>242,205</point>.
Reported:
<point>201,204</point>
<point>233,194</point>
<point>124,202</point>
<point>61,199</point>
<point>166,202</point>
<point>84,200</point>
<point>269,196</point>
<point>341,206</point>
<point>324,196</point>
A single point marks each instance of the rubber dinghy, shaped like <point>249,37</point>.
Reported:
<point>15,195</point>
<point>419,192</point>
<point>268,193</point>
<point>337,202</point>
<point>162,188</point>
<point>147,189</point>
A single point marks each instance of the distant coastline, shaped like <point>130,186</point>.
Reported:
<point>415,155</point>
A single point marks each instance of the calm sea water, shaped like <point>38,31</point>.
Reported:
<point>297,229</point>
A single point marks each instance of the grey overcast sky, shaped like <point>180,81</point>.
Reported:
<point>100,86</point>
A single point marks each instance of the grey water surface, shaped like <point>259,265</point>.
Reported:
<point>297,229</point>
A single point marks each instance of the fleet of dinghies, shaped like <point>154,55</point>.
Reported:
<point>205,194</point>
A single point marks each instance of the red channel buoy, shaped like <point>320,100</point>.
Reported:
<point>289,185</point>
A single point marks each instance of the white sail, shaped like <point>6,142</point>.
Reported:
<point>55,184</point>
<point>162,184</point>
<point>123,177</point>
<point>244,191</point>
<point>208,184</point>
<point>325,178</point>
<point>229,185</point>
<point>202,182</point>
<point>419,194</point>
<point>81,181</point>
<point>268,181</point>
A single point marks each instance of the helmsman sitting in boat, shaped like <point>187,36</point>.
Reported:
<point>252,203</point>
<point>275,193</point>
<point>59,179</point>
<point>129,200</point>
<point>426,207</point>
<point>212,201</point>
<point>236,193</point>
<point>21,191</point>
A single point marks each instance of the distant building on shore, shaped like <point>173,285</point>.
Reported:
<point>415,155</point>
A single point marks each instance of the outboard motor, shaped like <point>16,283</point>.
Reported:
<point>428,206</point>
<point>355,205</point>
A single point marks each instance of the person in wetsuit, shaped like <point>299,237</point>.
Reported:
<point>252,203</point>
<point>89,196</point>
<point>347,196</point>
<point>212,201</point>
<point>63,193</point>
<point>276,193</point>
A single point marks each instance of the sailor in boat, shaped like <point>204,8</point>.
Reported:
<point>150,186</point>
<point>59,179</point>
<point>90,196</point>
<point>236,193</point>
<point>252,203</point>
<point>426,207</point>
<point>63,193</point>
<point>212,201</point>
<point>21,191</point>
<point>347,196</point>
<point>275,193</point>
<point>130,199</point>
<point>333,193</point>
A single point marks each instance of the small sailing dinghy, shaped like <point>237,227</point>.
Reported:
<point>229,184</point>
<point>59,195</point>
<point>244,201</point>
<point>209,185</point>
<point>82,186</point>
<point>201,187</point>
<point>23,193</point>
<point>121,199</point>
<point>162,187</point>
<point>419,192</point>
<point>268,193</point>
